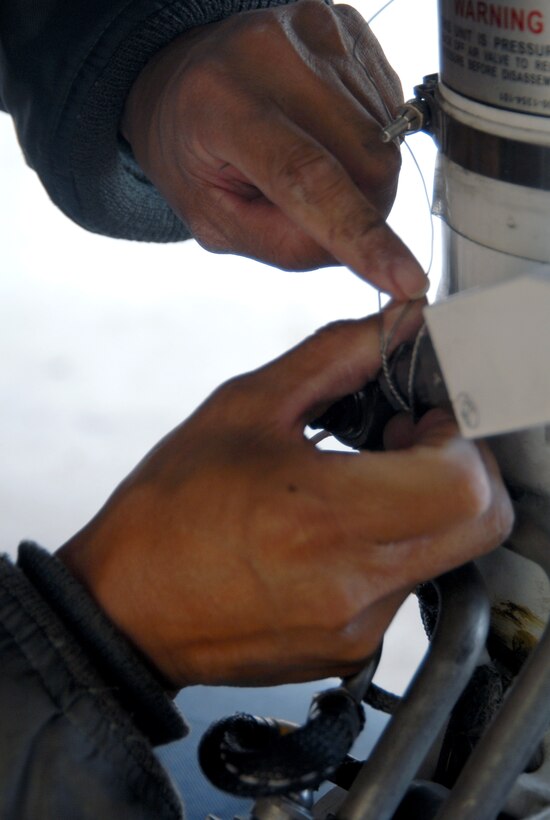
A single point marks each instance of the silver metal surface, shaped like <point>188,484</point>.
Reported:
<point>510,740</point>
<point>357,685</point>
<point>509,160</point>
<point>458,642</point>
<point>410,118</point>
<point>283,808</point>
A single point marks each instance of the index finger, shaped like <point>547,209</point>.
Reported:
<point>312,187</point>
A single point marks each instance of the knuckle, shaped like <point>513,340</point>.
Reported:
<point>296,259</point>
<point>298,253</point>
<point>234,397</point>
<point>210,77</point>
<point>331,332</point>
<point>308,9</point>
<point>243,404</point>
<point>352,14</point>
<point>358,225</point>
<point>499,520</point>
<point>309,174</point>
<point>342,596</point>
<point>204,79</point>
<point>337,335</point>
<point>208,236</point>
<point>263,28</point>
<point>214,236</point>
<point>384,167</point>
<point>469,483</point>
<point>350,11</point>
<point>314,7</point>
<point>356,652</point>
<point>354,645</point>
<point>234,389</point>
<point>342,610</point>
<point>507,516</point>
<point>257,34</point>
<point>320,17</point>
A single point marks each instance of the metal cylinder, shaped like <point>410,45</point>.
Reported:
<point>497,53</point>
<point>492,192</point>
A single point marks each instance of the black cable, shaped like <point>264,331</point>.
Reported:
<point>253,757</point>
<point>381,700</point>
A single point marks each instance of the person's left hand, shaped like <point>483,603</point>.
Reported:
<point>263,133</point>
<point>238,553</point>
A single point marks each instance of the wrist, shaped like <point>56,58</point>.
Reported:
<point>149,88</point>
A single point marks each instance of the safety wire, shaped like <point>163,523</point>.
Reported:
<point>406,403</point>
<point>376,696</point>
<point>380,10</point>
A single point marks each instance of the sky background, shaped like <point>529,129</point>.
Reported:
<point>106,345</point>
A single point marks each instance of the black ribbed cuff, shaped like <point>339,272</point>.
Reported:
<point>138,687</point>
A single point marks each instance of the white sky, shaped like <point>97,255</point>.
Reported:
<point>106,345</point>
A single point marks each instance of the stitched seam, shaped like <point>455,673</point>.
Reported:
<point>139,25</point>
<point>85,58</point>
<point>86,690</point>
<point>108,25</point>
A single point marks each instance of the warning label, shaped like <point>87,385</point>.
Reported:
<point>498,54</point>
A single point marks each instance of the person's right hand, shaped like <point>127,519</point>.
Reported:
<point>263,131</point>
<point>238,553</point>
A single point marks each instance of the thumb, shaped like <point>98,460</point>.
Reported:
<point>337,360</point>
<point>432,430</point>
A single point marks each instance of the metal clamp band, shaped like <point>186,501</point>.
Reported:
<point>493,156</point>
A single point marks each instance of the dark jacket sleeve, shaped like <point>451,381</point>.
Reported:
<point>66,67</point>
<point>75,732</point>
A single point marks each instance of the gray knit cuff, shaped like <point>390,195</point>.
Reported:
<point>93,177</point>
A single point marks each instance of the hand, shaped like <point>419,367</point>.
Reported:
<point>237,552</point>
<point>263,133</point>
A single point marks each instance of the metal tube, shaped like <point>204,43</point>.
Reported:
<point>505,749</point>
<point>457,643</point>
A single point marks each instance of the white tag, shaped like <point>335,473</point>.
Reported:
<point>493,346</point>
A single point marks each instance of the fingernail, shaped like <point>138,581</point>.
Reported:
<point>409,280</point>
<point>420,293</point>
